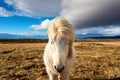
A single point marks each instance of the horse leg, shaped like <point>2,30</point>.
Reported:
<point>52,77</point>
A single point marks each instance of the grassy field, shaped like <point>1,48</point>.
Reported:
<point>94,61</point>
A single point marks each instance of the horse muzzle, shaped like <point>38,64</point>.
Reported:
<point>59,68</point>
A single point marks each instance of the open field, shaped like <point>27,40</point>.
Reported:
<point>94,61</point>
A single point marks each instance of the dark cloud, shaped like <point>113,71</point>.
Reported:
<point>92,13</point>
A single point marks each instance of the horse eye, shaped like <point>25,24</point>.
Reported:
<point>51,42</point>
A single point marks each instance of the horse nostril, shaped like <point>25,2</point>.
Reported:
<point>63,67</point>
<point>59,69</point>
<point>55,67</point>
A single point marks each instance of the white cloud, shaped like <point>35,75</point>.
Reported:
<point>4,12</point>
<point>41,33</point>
<point>35,8</point>
<point>43,26</point>
<point>93,30</point>
<point>9,2</point>
<point>108,31</point>
<point>111,31</point>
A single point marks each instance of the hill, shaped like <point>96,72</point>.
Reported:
<point>104,37</point>
<point>12,36</point>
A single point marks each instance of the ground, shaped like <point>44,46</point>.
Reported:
<point>94,61</point>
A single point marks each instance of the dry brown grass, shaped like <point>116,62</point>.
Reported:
<point>94,61</point>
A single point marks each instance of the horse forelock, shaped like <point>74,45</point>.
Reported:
<point>60,27</point>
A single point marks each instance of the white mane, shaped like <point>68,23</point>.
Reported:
<point>60,28</point>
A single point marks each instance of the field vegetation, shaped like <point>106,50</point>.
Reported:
<point>95,60</point>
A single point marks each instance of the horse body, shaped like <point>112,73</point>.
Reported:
<point>59,53</point>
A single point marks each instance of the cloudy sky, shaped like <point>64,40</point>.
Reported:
<point>31,17</point>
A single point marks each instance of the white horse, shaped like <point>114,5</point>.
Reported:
<point>59,53</point>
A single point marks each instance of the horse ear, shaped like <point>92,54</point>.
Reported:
<point>70,52</point>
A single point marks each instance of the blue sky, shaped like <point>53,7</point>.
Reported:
<point>21,25</point>
<point>31,17</point>
<point>16,24</point>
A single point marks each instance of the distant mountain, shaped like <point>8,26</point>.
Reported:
<point>104,37</point>
<point>78,36</point>
<point>11,36</point>
<point>81,36</point>
<point>95,36</point>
